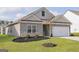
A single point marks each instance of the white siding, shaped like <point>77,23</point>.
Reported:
<point>21,29</point>
<point>32,17</point>
<point>15,30</point>
<point>47,16</point>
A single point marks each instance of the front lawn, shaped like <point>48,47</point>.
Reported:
<point>63,45</point>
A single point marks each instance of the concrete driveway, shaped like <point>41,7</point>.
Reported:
<point>72,38</point>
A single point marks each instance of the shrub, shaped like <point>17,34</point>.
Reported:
<point>28,36</point>
<point>71,34</point>
<point>37,36</point>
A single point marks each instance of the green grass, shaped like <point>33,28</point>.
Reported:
<point>63,45</point>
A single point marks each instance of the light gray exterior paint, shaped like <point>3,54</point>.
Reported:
<point>44,24</point>
<point>24,28</point>
<point>21,29</point>
<point>15,30</point>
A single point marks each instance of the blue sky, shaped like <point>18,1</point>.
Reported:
<point>13,13</point>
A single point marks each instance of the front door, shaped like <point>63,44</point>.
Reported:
<point>46,30</point>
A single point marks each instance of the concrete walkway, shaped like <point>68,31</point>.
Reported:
<point>72,38</point>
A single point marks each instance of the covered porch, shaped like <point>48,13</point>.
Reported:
<point>47,30</point>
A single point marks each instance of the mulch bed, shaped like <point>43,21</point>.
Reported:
<point>27,39</point>
<point>49,45</point>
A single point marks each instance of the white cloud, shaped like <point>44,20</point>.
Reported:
<point>8,9</point>
<point>55,13</point>
<point>31,8</point>
<point>19,15</point>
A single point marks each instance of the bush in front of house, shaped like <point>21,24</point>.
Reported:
<point>37,36</point>
<point>75,34</point>
<point>28,36</point>
<point>71,34</point>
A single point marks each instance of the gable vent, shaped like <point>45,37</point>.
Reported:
<point>43,13</point>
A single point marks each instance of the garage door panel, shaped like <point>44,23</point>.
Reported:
<point>60,30</point>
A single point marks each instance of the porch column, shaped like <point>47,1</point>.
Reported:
<point>50,29</point>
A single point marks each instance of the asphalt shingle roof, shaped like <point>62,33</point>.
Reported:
<point>76,12</point>
<point>60,18</point>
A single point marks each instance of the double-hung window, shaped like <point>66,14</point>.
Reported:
<point>31,28</point>
<point>10,30</point>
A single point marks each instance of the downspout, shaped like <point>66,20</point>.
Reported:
<point>69,30</point>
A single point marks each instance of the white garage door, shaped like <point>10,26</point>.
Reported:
<point>60,30</point>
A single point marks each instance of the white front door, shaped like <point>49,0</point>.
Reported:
<point>60,30</point>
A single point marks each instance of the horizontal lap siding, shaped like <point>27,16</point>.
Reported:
<point>24,28</point>
<point>15,30</point>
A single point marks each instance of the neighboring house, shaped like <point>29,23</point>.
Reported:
<point>3,24</point>
<point>2,30</point>
<point>40,22</point>
<point>73,16</point>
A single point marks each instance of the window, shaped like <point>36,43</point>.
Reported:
<point>3,30</point>
<point>43,13</point>
<point>10,30</point>
<point>33,29</point>
<point>7,22</point>
<point>29,29</point>
<point>2,22</point>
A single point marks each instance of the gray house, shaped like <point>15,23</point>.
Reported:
<point>40,22</point>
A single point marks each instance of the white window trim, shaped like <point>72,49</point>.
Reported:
<point>27,27</point>
<point>32,28</point>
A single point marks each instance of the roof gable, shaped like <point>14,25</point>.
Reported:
<point>36,15</point>
<point>48,14</point>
